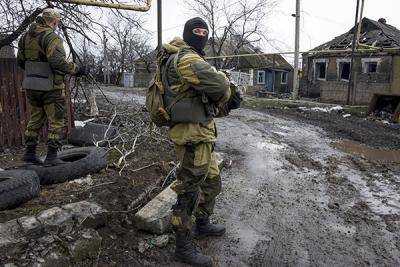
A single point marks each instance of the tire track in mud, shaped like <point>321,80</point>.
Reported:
<point>289,199</point>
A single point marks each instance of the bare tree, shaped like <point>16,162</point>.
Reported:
<point>128,43</point>
<point>16,15</point>
<point>233,24</point>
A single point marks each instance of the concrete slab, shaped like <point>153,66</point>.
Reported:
<point>156,215</point>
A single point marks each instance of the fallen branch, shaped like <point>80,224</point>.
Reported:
<point>145,167</point>
<point>99,185</point>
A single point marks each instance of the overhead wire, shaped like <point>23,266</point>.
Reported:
<point>216,11</point>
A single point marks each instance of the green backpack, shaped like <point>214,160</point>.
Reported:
<point>155,94</point>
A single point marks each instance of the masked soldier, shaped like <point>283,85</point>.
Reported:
<point>193,92</point>
<point>41,54</point>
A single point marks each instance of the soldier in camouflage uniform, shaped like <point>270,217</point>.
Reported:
<point>41,54</point>
<point>198,180</point>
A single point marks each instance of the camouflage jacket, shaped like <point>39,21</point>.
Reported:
<point>41,43</point>
<point>193,72</point>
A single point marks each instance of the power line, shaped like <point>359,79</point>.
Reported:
<point>216,11</point>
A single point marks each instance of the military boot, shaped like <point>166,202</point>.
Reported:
<point>30,155</point>
<point>186,252</point>
<point>204,228</point>
<point>51,157</point>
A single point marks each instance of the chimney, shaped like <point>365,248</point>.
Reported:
<point>382,20</point>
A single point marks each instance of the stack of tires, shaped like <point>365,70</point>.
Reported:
<point>21,185</point>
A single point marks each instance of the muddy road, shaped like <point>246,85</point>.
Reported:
<point>291,198</point>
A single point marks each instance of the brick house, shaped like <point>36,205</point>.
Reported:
<point>326,68</point>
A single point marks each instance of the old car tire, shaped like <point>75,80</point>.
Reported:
<point>79,162</point>
<point>85,136</point>
<point>17,187</point>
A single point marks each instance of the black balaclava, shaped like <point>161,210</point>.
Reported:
<point>195,41</point>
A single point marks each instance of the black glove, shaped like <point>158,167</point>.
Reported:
<point>83,71</point>
<point>235,101</point>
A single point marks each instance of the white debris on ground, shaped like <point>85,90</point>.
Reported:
<point>346,115</point>
<point>83,181</point>
<point>82,123</point>
<point>326,110</point>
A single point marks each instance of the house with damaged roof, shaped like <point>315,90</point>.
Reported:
<point>326,68</point>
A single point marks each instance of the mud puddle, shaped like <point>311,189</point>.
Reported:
<point>373,154</point>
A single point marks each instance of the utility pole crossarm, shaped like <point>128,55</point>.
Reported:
<point>133,7</point>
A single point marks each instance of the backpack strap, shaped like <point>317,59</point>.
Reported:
<point>164,74</point>
<point>167,87</point>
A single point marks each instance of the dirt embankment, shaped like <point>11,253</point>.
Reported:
<point>121,193</point>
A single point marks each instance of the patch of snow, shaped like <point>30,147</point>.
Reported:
<point>336,108</point>
<point>269,146</point>
<point>381,198</point>
<point>325,110</point>
<point>281,133</point>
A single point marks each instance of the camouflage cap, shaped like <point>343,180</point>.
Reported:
<point>51,13</point>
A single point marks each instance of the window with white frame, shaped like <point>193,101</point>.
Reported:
<point>284,77</point>
<point>320,68</point>
<point>261,77</point>
<point>370,65</point>
<point>344,69</point>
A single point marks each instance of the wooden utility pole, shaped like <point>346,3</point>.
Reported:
<point>353,52</point>
<point>159,22</point>
<point>295,94</point>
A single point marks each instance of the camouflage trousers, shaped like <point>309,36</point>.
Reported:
<point>198,184</point>
<point>46,107</point>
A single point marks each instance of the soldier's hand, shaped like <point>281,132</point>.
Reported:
<point>235,101</point>
<point>83,71</point>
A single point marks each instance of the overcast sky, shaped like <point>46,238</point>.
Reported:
<point>321,20</point>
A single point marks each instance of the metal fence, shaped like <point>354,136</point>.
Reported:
<point>14,113</point>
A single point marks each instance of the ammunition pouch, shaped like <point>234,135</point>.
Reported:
<point>185,107</point>
<point>38,76</point>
